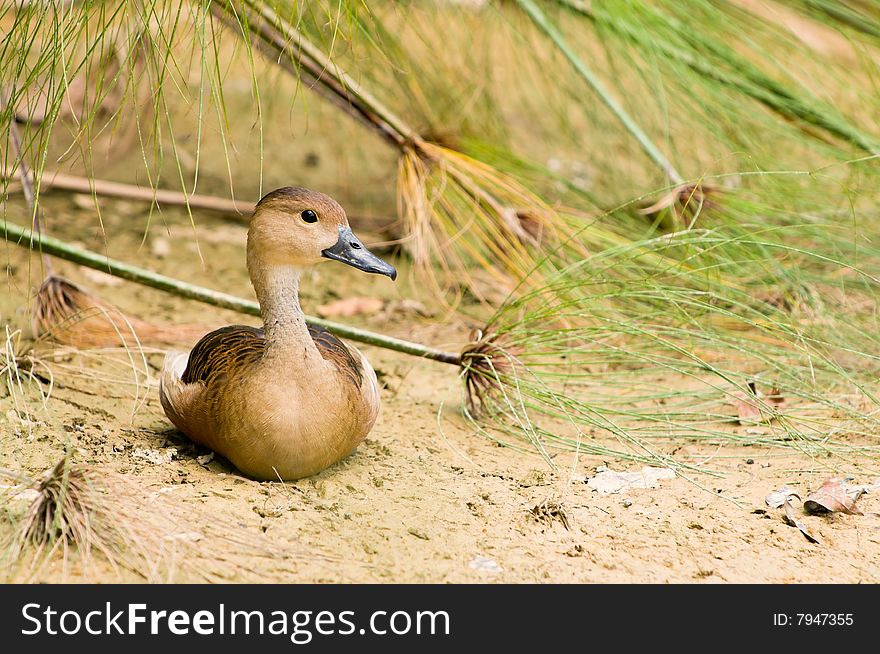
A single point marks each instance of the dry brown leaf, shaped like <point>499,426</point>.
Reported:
<point>407,307</point>
<point>779,497</point>
<point>748,407</point>
<point>746,411</point>
<point>686,202</point>
<point>776,398</point>
<point>834,496</point>
<point>351,306</point>
<point>783,497</point>
<point>794,522</point>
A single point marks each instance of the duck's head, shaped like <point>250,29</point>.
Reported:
<point>294,226</point>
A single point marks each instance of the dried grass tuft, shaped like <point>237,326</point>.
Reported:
<point>86,520</point>
<point>485,368</point>
<point>67,313</point>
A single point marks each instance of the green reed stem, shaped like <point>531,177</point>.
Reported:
<point>747,79</point>
<point>545,25</point>
<point>289,48</point>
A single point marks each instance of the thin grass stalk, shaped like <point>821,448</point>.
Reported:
<point>539,18</point>
<point>748,79</point>
<point>26,179</point>
<point>289,48</point>
<point>242,209</point>
<point>845,15</point>
<point>612,372</point>
<point>57,248</point>
<point>505,248</point>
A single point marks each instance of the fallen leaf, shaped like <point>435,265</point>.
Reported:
<point>783,497</point>
<point>407,307</point>
<point>834,496</point>
<point>351,306</point>
<point>794,522</point>
<point>778,497</point>
<point>776,398</point>
<point>857,490</point>
<point>685,201</point>
<point>746,411</point>
<point>608,481</point>
<point>749,409</point>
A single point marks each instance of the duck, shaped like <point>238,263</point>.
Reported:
<point>290,399</point>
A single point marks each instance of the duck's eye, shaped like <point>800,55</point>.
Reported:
<point>309,216</point>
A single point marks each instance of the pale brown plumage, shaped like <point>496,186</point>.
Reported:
<point>290,399</point>
<point>236,346</point>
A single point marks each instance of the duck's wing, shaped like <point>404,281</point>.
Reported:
<point>354,365</point>
<point>188,383</point>
<point>187,380</point>
<point>232,347</point>
<point>338,353</point>
<point>238,345</point>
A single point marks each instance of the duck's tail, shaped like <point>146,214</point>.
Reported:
<point>170,386</point>
<point>175,364</point>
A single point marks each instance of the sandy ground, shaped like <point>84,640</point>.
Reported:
<point>424,499</point>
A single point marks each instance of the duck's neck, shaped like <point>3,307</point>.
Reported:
<point>287,334</point>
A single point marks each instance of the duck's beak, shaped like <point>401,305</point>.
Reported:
<point>350,250</point>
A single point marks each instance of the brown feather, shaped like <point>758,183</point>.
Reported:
<point>236,346</point>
